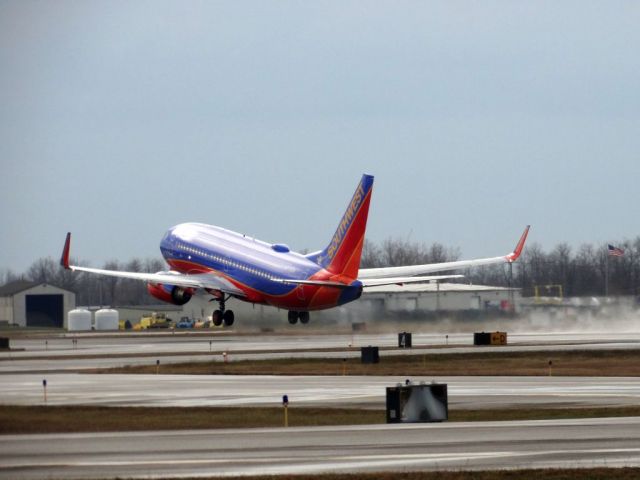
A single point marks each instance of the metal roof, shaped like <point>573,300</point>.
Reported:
<point>432,288</point>
<point>13,288</point>
<point>17,286</point>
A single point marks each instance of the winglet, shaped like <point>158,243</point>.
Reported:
<point>64,260</point>
<point>512,257</point>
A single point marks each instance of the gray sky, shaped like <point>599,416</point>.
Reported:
<point>121,119</point>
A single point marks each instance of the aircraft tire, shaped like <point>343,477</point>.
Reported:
<point>228,318</point>
<point>304,317</point>
<point>292,317</point>
<point>216,318</point>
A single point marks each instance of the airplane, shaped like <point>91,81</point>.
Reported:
<point>226,264</point>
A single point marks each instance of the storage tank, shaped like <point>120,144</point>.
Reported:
<point>107,319</point>
<point>79,320</point>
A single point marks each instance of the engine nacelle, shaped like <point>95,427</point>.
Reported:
<point>170,293</point>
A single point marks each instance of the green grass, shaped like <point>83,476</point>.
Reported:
<point>602,473</point>
<point>19,419</point>
<point>530,474</point>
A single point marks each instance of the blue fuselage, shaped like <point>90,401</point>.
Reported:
<point>249,263</point>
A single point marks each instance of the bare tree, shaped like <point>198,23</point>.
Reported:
<point>371,255</point>
<point>42,270</point>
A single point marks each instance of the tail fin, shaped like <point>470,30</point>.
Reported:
<point>342,255</point>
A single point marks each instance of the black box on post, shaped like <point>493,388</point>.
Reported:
<point>369,354</point>
<point>404,340</point>
<point>482,338</point>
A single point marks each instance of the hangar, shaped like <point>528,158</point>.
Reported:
<point>436,297</point>
<point>32,304</point>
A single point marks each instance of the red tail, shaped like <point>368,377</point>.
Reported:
<point>342,255</point>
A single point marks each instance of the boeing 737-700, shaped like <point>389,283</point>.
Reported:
<point>227,264</point>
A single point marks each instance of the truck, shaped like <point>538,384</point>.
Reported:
<point>154,320</point>
<point>185,322</point>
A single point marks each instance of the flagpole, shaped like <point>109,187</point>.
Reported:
<point>606,275</point>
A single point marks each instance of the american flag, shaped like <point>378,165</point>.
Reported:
<point>615,251</point>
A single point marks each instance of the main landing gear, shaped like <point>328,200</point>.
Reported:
<point>221,315</point>
<point>293,317</point>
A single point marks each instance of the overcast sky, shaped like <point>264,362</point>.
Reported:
<point>121,119</point>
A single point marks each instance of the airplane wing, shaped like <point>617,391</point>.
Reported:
<point>364,274</point>
<point>200,280</point>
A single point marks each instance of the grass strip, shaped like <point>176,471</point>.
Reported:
<point>626,473</point>
<point>20,419</point>
<point>611,363</point>
<point>66,419</point>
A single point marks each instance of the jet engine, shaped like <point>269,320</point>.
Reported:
<point>170,293</point>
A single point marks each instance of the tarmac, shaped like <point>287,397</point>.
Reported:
<point>477,445</point>
<point>611,442</point>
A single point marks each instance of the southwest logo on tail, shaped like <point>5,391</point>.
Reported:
<point>342,255</point>
<point>227,264</point>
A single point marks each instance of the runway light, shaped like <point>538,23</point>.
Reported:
<point>157,366</point>
<point>44,388</point>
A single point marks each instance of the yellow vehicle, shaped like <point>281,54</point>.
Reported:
<point>155,320</point>
<point>124,325</point>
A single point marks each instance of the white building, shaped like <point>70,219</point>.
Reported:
<point>430,297</point>
<point>30,304</point>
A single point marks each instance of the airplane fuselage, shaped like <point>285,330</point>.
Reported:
<point>251,265</point>
<point>228,264</point>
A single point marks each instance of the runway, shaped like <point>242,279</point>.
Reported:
<point>350,391</point>
<point>478,445</point>
<point>610,442</point>
<point>92,350</point>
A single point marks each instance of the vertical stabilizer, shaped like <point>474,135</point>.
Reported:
<point>342,255</point>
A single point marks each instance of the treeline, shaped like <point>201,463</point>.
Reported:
<point>580,272</point>
<point>92,289</point>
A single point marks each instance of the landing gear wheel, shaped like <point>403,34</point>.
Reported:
<point>293,317</point>
<point>222,315</point>
<point>228,318</point>
<point>304,317</point>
